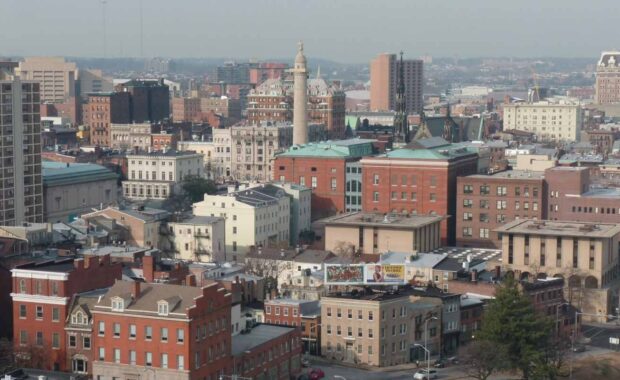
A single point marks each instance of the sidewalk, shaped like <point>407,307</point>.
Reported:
<point>394,368</point>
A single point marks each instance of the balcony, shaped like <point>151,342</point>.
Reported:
<point>204,235</point>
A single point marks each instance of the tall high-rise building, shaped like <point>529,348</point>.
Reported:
<point>57,77</point>
<point>150,99</point>
<point>21,186</point>
<point>300,102</point>
<point>608,78</point>
<point>384,71</point>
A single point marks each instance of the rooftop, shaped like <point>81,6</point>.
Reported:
<point>258,336</point>
<point>313,256</point>
<point>113,251</point>
<point>382,220</point>
<point>350,148</point>
<point>421,260</point>
<point>202,220</point>
<point>560,228</point>
<point>167,153</point>
<point>60,173</point>
<point>433,148</point>
<point>511,174</point>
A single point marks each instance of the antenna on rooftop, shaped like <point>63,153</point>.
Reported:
<point>103,18</point>
<point>141,31</point>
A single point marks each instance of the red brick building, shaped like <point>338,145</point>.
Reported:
<point>186,109</point>
<point>571,196</point>
<point>304,314</point>
<point>331,169</point>
<point>419,179</point>
<point>41,295</point>
<point>102,110</point>
<point>485,202</point>
<point>161,141</point>
<point>266,70</point>
<point>267,352</point>
<point>173,331</point>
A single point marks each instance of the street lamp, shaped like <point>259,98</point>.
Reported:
<point>557,316</point>
<point>316,346</point>
<point>572,343</point>
<point>426,337</point>
<point>428,362</point>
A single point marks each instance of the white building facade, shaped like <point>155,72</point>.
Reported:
<point>157,175</point>
<point>556,122</point>
<point>201,238</point>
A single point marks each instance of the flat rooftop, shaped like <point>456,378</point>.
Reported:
<point>511,174</point>
<point>560,228</point>
<point>258,336</point>
<point>382,220</point>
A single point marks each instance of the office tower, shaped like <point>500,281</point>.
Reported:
<point>608,78</point>
<point>21,188</point>
<point>150,99</point>
<point>56,76</point>
<point>300,102</point>
<point>384,83</point>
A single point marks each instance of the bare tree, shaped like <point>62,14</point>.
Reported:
<point>344,249</point>
<point>482,358</point>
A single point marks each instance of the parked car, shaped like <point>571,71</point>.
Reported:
<point>439,363</point>
<point>579,348</point>
<point>424,374</point>
<point>316,374</point>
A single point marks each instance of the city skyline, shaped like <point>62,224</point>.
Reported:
<point>333,31</point>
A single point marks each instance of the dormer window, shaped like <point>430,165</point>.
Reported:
<point>79,318</point>
<point>118,304</point>
<point>162,308</point>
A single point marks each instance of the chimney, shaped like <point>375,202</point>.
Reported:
<point>190,280</point>
<point>474,275</point>
<point>236,279</point>
<point>78,264</point>
<point>148,267</point>
<point>136,290</point>
<point>498,272</point>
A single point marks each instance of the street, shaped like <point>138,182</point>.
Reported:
<point>598,334</point>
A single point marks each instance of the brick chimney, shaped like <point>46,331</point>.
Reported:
<point>474,275</point>
<point>136,289</point>
<point>148,267</point>
<point>498,272</point>
<point>78,264</point>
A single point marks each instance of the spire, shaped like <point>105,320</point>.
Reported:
<point>401,127</point>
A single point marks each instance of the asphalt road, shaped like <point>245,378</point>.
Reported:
<point>598,334</point>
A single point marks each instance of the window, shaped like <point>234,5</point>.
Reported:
<point>117,355</point>
<point>148,359</point>
<point>370,316</point>
<point>370,334</point>
<point>313,182</point>
<point>501,190</point>
<point>359,332</point>
<point>86,342</point>
<point>117,330</point>
<point>22,311</point>
<point>414,196</point>
<point>22,286</point>
<point>375,196</point>
<point>162,307</point>
<point>101,353</point>
<point>164,334</point>
<point>132,357</point>
<point>467,203</point>
<point>433,197</point>
<point>118,304</point>
<point>484,190</point>
<point>484,203</point>
<point>180,362</point>
<point>375,179</point>
<point>468,216</point>
<point>23,337</point>
<point>484,233</point>
<point>433,181</point>
<point>334,184</point>
<point>501,205</point>
<point>55,314</point>
<point>484,217</point>
<point>72,341</point>
<point>164,361</point>
<point>359,314</point>
<point>180,335</point>
<point>148,332</point>
<point>132,331</point>
<point>468,189</point>
<point>79,365</point>
<point>329,311</point>
<point>39,312</point>
<point>467,231</point>
<point>101,328</point>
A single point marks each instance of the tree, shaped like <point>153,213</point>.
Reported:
<point>344,249</point>
<point>511,324</point>
<point>482,358</point>
<point>306,236</point>
<point>196,187</point>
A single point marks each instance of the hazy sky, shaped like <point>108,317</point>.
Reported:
<point>342,30</point>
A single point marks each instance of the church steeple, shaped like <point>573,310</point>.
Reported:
<point>401,127</point>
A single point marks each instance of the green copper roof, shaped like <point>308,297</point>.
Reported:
<point>58,173</point>
<point>441,152</point>
<point>350,148</point>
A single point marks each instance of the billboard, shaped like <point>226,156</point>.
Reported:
<point>365,274</point>
<point>344,274</point>
<point>385,274</point>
